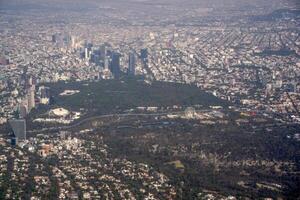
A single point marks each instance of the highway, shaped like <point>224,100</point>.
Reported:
<point>78,123</point>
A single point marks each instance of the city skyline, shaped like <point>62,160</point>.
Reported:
<point>140,99</point>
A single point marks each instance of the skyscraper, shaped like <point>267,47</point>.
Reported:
<point>31,98</point>
<point>30,90</point>
<point>106,63</point>
<point>103,58</point>
<point>144,54</point>
<point>23,110</point>
<point>115,65</point>
<point>54,38</point>
<point>144,57</point>
<point>131,64</point>
<point>86,54</point>
<point>73,42</point>
<point>19,128</point>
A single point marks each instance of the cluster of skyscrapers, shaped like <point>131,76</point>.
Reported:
<point>106,58</point>
<point>18,123</point>
<point>65,40</point>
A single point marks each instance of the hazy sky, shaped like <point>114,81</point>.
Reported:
<point>87,3</point>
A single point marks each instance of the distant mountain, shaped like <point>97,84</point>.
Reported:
<point>52,5</point>
<point>278,14</point>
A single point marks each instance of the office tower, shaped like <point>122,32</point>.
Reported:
<point>30,89</point>
<point>58,39</point>
<point>103,58</point>
<point>144,55</point>
<point>106,63</point>
<point>19,128</point>
<point>54,38</point>
<point>115,65</point>
<point>29,81</point>
<point>89,45</point>
<point>92,57</point>
<point>67,40</point>
<point>103,51</point>
<point>23,110</point>
<point>269,89</point>
<point>86,54</point>
<point>31,98</point>
<point>14,141</point>
<point>73,42</point>
<point>294,86</point>
<point>95,57</point>
<point>131,64</point>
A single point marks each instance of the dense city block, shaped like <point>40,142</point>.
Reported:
<point>169,99</point>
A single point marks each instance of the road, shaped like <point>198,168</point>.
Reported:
<point>102,117</point>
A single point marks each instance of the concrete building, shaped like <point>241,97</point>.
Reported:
<point>19,128</point>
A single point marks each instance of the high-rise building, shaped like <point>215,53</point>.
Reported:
<point>86,54</point>
<point>144,57</point>
<point>144,54</point>
<point>73,42</point>
<point>103,51</point>
<point>29,81</point>
<point>295,86</point>
<point>14,141</point>
<point>54,38</point>
<point>67,40</point>
<point>269,89</point>
<point>31,98</point>
<point>103,58</point>
<point>59,39</point>
<point>23,110</point>
<point>30,89</point>
<point>19,128</point>
<point>115,65</point>
<point>96,57</point>
<point>106,63</point>
<point>131,64</point>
